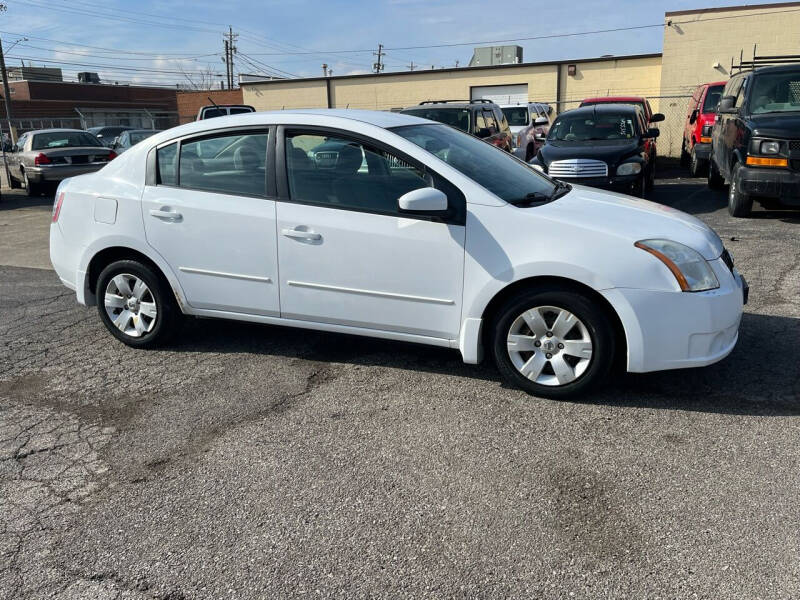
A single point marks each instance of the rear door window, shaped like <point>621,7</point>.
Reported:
<point>232,163</point>
<point>166,161</point>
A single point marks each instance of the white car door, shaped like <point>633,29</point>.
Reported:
<point>210,213</point>
<point>348,256</point>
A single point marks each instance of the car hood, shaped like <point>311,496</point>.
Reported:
<point>632,219</point>
<point>779,125</point>
<point>609,151</point>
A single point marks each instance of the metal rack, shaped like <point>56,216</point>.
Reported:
<point>762,61</point>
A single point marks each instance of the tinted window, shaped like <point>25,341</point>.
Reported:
<point>345,173</point>
<point>239,111</point>
<point>480,122</point>
<point>166,158</point>
<point>516,115</point>
<point>494,169</point>
<point>230,164</point>
<point>491,121</point>
<point>712,99</point>
<point>741,94</point>
<point>598,126</point>
<point>455,117</point>
<point>63,139</point>
<point>775,92</point>
<point>210,113</point>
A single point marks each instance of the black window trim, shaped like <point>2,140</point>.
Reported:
<point>282,175</point>
<point>151,177</point>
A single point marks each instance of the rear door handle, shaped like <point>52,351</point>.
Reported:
<point>300,234</point>
<point>165,214</point>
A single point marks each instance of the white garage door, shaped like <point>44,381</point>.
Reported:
<point>502,94</point>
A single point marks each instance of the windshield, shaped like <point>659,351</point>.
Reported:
<point>712,98</point>
<point>593,126</point>
<point>775,92</point>
<point>494,169</point>
<point>516,115</point>
<point>455,117</point>
<point>210,113</point>
<point>63,139</point>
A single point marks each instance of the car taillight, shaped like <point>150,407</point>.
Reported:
<point>112,155</point>
<point>42,159</point>
<point>57,206</point>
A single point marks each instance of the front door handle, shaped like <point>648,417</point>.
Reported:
<point>300,234</point>
<point>165,214</point>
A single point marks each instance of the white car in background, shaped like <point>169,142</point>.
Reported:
<point>442,239</point>
<point>520,116</point>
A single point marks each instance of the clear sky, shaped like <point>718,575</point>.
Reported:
<point>165,42</point>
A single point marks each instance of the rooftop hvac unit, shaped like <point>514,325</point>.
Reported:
<point>88,77</point>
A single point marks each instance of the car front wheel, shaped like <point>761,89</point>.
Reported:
<point>739,203</point>
<point>554,344</point>
<point>136,305</point>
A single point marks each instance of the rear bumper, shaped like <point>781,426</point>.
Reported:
<point>771,182</point>
<point>60,172</point>
<point>702,151</point>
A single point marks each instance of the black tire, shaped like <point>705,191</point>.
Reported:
<point>650,182</point>
<point>13,183</point>
<point>697,166</point>
<point>715,179</point>
<point>31,188</point>
<point>640,187</point>
<point>739,203</point>
<point>595,320</point>
<point>168,318</point>
<point>684,154</point>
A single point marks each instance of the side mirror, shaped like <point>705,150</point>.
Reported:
<point>727,104</point>
<point>539,137</point>
<point>425,199</point>
<point>541,121</point>
<point>483,132</point>
<point>657,117</point>
<point>693,117</point>
<point>653,132</point>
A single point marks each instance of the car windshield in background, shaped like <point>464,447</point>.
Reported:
<point>455,117</point>
<point>240,111</point>
<point>775,92</point>
<point>490,167</point>
<point>63,139</point>
<point>516,115</point>
<point>138,136</point>
<point>583,127</point>
<point>712,98</point>
<point>210,113</point>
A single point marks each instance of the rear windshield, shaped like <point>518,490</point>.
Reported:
<point>712,98</point>
<point>455,117</point>
<point>775,92</point>
<point>598,126</point>
<point>210,113</point>
<point>239,111</point>
<point>63,139</point>
<point>516,115</point>
<point>138,136</point>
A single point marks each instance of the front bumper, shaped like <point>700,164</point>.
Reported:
<point>61,172</point>
<point>616,183</point>
<point>771,182</point>
<point>702,151</point>
<point>676,330</point>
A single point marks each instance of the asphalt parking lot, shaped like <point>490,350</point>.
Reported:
<point>249,461</point>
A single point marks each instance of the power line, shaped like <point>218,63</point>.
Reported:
<point>107,66</point>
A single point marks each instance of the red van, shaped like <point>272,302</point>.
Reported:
<point>702,112</point>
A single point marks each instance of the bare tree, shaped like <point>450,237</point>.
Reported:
<point>202,79</point>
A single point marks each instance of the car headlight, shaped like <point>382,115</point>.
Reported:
<point>769,147</point>
<point>631,168</point>
<point>539,168</point>
<point>692,271</point>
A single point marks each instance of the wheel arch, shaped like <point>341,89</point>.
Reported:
<point>104,257</point>
<point>550,282</point>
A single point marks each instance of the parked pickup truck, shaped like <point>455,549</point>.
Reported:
<point>755,142</point>
<point>702,112</point>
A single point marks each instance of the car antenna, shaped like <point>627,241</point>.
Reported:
<point>212,102</point>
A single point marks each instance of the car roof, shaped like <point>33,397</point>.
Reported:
<point>612,99</point>
<point>709,84</point>
<point>604,108</point>
<point>774,69</point>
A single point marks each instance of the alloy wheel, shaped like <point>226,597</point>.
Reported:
<point>130,305</point>
<point>549,345</point>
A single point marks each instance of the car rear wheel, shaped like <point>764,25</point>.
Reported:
<point>31,188</point>
<point>684,154</point>
<point>739,203</point>
<point>715,180</point>
<point>136,305</point>
<point>554,344</point>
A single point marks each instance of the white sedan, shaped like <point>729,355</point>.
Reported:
<point>391,226</point>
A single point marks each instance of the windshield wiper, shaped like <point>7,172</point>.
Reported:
<point>534,198</point>
<point>560,189</point>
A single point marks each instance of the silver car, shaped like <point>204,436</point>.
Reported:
<point>40,159</point>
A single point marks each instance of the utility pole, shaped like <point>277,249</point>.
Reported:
<point>378,66</point>
<point>230,50</point>
<point>412,66</point>
<point>6,94</point>
<point>227,66</point>
<point>324,69</point>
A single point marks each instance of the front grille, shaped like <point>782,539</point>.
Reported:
<point>727,259</point>
<point>574,168</point>
<point>794,145</point>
